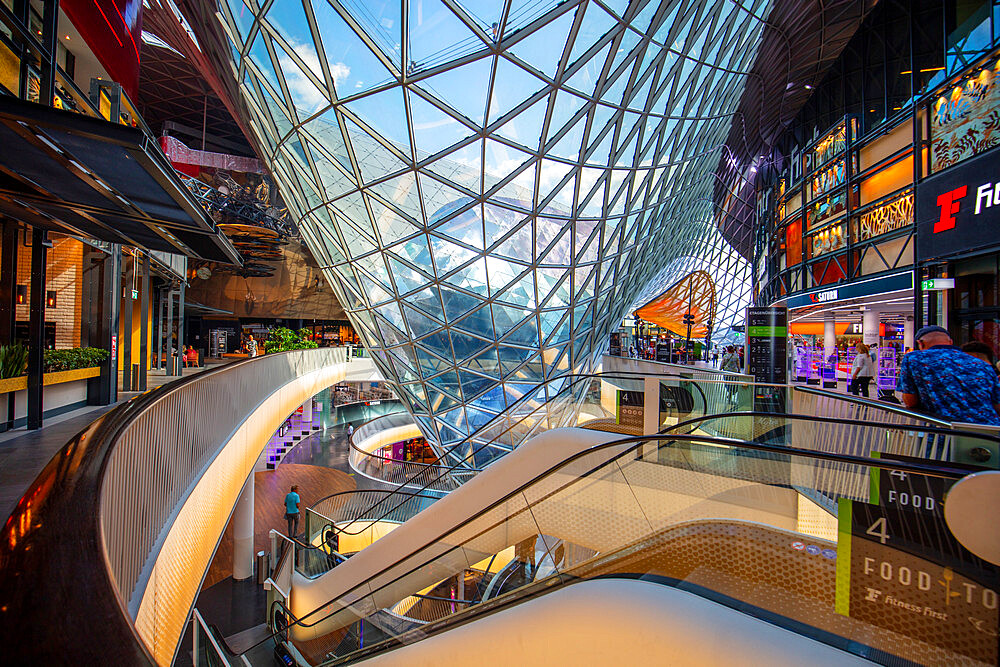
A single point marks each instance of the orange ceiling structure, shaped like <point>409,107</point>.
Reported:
<point>695,293</point>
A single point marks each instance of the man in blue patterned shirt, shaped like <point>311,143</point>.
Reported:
<point>941,380</point>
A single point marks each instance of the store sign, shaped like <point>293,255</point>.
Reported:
<point>893,283</point>
<point>827,295</point>
<point>903,570</point>
<point>959,209</point>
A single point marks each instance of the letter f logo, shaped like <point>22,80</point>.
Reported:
<point>949,204</point>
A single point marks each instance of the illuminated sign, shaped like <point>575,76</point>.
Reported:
<point>823,297</point>
<point>938,283</point>
<point>958,209</point>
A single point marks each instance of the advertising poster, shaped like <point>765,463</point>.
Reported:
<point>903,571</point>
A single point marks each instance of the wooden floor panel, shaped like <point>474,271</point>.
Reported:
<point>314,482</point>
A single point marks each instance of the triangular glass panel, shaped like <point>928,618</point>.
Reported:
<point>526,127</point>
<point>402,192</point>
<point>519,245</point>
<point>462,166</point>
<point>513,86</point>
<point>420,324</point>
<point>486,363</point>
<point>473,385</point>
<point>381,20</point>
<point>568,145</point>
<point>353,66</point>
<point>465,88</point>
<point>433,129</point>
<point>466,227</point>
<point>467,346</point>
<point>383,112</point>
<point>415,250</point>
<point>522,293</point>
<point>456,304</point>
<point>441,199</point>
<point>543,48</point>
<point>391,226</point>
<point>566,106</point>
<point>596,23</point>
<point>472,278</point>
<point>585,79</point>
<point>477,322</point>
<point>324,131</point>
<point>435,33</point>
<point>526,334</point>
<point>405,277</point>
<point>375,160</point>
<point>449,256</point>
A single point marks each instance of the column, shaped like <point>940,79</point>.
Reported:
<point>168,344</point>
<point>243,532</point>
<point>130,266</point>
<point>36,326</point>
<point>829,347</point>
<point>307,411</point>
<point>909,324</point>
<point>144,325</point>
<point>870,320</point>
<point>651,415</point>
<point>8,282</point>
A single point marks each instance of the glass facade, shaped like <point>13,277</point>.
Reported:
<point>490,186</point>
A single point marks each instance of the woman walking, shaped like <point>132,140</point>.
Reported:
<point>862,371</point>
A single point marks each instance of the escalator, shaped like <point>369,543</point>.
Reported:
<point>756,530</point>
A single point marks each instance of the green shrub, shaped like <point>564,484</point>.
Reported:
<point>13,360</point>
<point>73,358</point>
<point>282,339</point>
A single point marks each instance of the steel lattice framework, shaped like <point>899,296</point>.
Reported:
<point>490,184</point>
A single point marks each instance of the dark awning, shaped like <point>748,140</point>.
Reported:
<point>80,175</point>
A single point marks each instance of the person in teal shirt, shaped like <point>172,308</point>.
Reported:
<point>292,501</point>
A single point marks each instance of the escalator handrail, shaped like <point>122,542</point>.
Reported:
<point>577,377</point>
<point>933,470</point>
<point>882,405</point>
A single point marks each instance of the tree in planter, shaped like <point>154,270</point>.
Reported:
<point>282,339</point>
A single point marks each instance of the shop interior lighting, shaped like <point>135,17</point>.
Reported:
<point>21,295</point>
<point>50,299</point>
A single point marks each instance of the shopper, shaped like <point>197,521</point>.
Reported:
<point>715,356</point>
<point>982,351</point>
<point>292,501</point>
<point>943,381</point>
<point>862,371</point>
<point>350,430</point>
<point>251,347</point>
<point>730,361</point>
<point>332,542</point>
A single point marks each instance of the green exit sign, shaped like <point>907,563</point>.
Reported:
<point>938,283</point>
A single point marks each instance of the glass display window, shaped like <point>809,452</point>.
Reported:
<point>828,239</point>
<point>895,213</point>
<point>965,117</point>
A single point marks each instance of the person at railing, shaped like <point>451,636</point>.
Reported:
<point>332,544</point>
<point>981,350</point>
<point>292,501</point>
<point>943,381</point>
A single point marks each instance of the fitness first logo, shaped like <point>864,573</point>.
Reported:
<point>933,595</point>
<point>950,203</point>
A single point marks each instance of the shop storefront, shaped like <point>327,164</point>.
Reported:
<point>958,248</point>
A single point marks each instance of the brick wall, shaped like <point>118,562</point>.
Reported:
<point>64,275</point>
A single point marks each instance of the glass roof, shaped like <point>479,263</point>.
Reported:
<point>490,185</point>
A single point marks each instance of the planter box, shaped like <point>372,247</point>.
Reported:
<point>63,391</point>
<point>8,385</point>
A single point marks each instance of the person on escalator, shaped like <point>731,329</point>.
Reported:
<point>332,543</point>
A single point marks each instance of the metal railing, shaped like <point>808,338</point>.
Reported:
<point>434,477</point>
<point>162,451</point>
